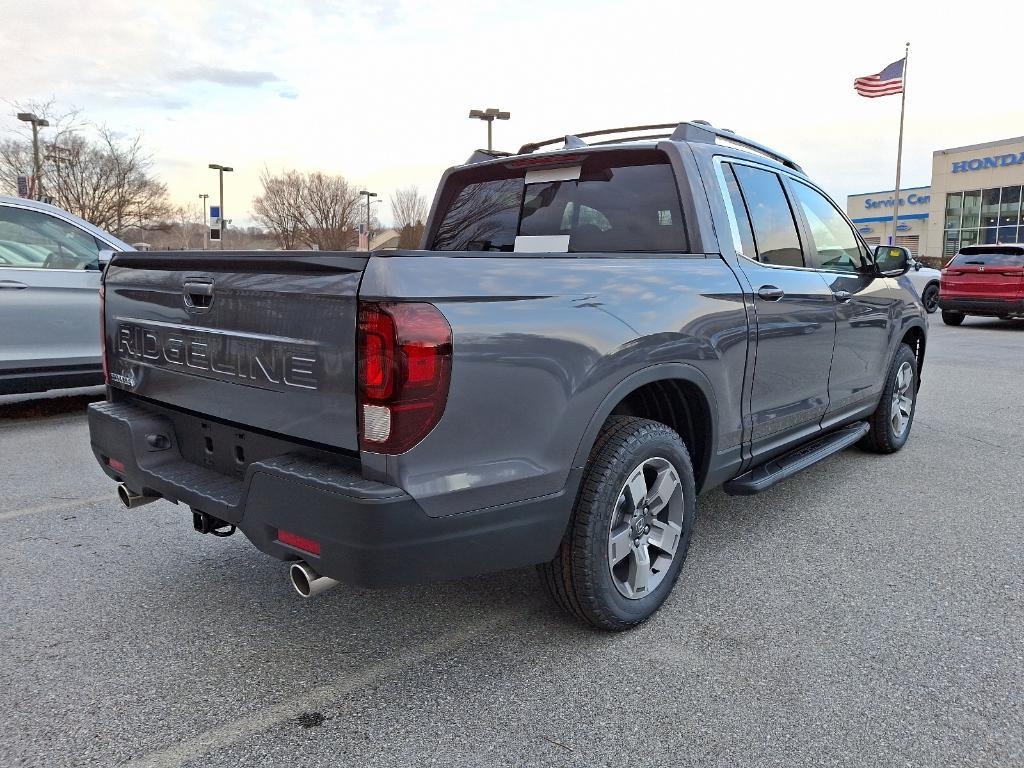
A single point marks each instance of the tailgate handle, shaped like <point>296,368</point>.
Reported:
<point>198,295</point>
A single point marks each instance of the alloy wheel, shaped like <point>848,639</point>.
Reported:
<point>646,528</point>
<point>902,400</point>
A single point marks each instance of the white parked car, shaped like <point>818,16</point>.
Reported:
<point>50,268</point>
<point>926,281</point>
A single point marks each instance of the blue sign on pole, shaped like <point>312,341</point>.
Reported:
<point>214,211</point>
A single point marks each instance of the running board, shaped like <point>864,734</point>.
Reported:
<point>775,471</point>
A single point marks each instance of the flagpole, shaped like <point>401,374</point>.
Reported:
<point>899,150</point>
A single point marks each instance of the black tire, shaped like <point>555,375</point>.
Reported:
<point>883,437</point>
<point>930,298</point>
<point>580,578</point>
<point>952,318</point>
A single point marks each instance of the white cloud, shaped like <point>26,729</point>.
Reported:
<point>380,91</point>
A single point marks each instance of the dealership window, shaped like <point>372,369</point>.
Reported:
<point>982,216</point>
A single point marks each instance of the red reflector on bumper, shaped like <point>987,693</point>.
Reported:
<point>299,542</point>
<point>114,464</point>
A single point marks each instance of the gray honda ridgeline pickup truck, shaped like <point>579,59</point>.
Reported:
<point>591,336</point>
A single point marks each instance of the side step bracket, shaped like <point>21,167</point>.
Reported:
<point>783,467</point>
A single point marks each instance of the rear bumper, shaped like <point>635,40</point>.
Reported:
<point>370,534</point>
<point>1013,306</point>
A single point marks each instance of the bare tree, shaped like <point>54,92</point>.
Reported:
<point>106,180</point>
<point>409,213</point>
<point>315,209</point>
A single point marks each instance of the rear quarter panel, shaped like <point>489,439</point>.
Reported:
<point>540,341</point>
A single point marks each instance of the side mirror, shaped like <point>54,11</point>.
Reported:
<point>892,260</point>
<point>917,265</point>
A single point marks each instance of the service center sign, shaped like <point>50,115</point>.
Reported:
<point>997,161</point>
<point>912,199</point>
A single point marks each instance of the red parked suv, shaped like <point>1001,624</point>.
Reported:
<point>986,280</point>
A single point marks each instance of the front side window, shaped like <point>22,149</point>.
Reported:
<point>35,240</point>
<point>834,240</point>
<point>775,233</point>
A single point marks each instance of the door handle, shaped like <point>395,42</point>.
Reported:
<point>770,292</point>
<point>12,285</point>
<point>842,296</point>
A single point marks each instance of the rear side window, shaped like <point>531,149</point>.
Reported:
<point>993,256</point>
<point>618,202</point>
<point>775,234</point>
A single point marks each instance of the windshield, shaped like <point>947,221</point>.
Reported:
<point>611,202</point>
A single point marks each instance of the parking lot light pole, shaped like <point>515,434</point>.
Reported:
<point>37,123</point>
<point>489,115</point>
<point>206,228</point>
<point>221,169</point>
<point>368,196</point>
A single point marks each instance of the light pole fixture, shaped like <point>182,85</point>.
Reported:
<point>206,228</point>
<point>368,196</point>
<point>221,169</point>
<point>489,115</point>
<point>37,123</point>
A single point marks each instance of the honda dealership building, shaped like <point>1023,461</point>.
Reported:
<point>975,197</point>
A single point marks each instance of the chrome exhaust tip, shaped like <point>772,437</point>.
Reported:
<point>308,582</point>
<point>130,499</point>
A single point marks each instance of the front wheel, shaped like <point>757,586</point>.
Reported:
<point>630,529</point>
<point>930,298</point>
<point>952,318</point>
<point>890,423</point>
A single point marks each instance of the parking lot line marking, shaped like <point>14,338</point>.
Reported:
<point>68,504</point>
<point>316,698</point>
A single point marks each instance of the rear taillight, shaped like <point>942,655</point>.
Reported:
<point>103,331</point>
<point>405,362</point>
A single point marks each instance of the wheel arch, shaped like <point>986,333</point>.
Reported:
<point>675,394</point>
<point>916,338</point>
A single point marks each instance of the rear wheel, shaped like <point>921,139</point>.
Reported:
<point>630,529</point>
<point>930,297</point>
<point>952,318</point>
<point>892,419</point>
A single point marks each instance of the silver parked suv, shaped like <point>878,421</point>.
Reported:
<point>50,264</point>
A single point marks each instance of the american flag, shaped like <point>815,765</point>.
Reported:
<point>885,83</point>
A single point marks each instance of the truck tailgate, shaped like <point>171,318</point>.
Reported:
<point>262,339</point>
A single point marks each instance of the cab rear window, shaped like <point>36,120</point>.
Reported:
<point>618,202</point>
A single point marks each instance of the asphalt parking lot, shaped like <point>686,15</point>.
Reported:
<point>868,612</point>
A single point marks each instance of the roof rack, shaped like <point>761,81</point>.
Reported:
<point>698,131</point>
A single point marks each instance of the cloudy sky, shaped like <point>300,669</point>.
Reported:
<point>379,90</point>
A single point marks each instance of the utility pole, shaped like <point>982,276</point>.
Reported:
<point>368,196</point>
<point>206,228</point>
<point>222,169</point>
<point>489,115</point>
<point>37,123</point>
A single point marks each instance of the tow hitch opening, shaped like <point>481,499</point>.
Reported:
<point>207,523</point>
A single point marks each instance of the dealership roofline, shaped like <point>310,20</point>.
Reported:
<point>887,191</point>
<point>985,145</point>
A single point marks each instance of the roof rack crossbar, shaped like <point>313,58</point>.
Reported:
<point>695,131</point>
